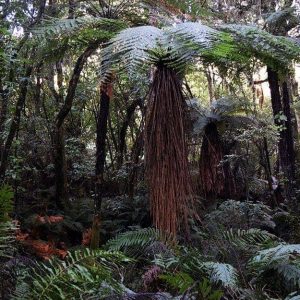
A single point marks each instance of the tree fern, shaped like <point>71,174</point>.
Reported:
<point>175,46</point>
<point>231,110</point>
<point>84,273</point>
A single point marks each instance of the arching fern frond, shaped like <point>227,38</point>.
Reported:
<point>131,48</point>
<point>135,242</point>
<point>252,238</point>
<point>282,21</point>
<point>273,50</point>
<point>224,274</point>
<point>84,274</point>
<point>284,259</point>
<point>173,46</point>
<point>196,39</point>
<point>228,109</point>
<point>57,28</point>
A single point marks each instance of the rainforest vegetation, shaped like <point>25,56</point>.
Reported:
<point>150,149</point>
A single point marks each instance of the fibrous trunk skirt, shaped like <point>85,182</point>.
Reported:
<point>166,152</point>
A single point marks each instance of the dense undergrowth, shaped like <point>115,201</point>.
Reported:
<point>149,150</point>
<point>239,250</point>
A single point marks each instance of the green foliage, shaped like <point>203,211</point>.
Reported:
<point>7,228</point>
<point>179,281</point>
<point>6,204</point>
<point>60,28</point>
<point>135,242</point>
<point>205,291</point>
<point>221,273</point>
<point>139,47</point>
<point>275,51</point>
<point>254,237</point>
<point>237,214</point>
<point>185,284</point>
<point>193,263</point>
<point>229,110</point>
<point>283,259</point>
<point>84,274</point>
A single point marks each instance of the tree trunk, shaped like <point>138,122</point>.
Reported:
<point>102,115</point>
<point>60,161</point>
<point>122,136</point>
<point>286,144</point>
<point>15,122</point>
<point>166,152</point>
<point>215,180</point>
<point>290,151</point>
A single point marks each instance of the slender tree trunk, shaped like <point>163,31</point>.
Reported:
<point>281,104</point>
<point>102,115</point>
<point>4,92</point>
<point>60,160</point>
<point>135,156</point>
<point>15,122</point>
<point>122,136</point>
<point>290,151</point>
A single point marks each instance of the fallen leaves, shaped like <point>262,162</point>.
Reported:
<point>49,219</point>
<point>86,237</point>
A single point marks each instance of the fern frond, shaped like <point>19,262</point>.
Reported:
<point>195,265</point>
<point>131,48</point>
<point>56,28</point>
<point>284,259</point>
<point>272,50</point>
<point>253,238</point>
<point>221,273</point>
<point>180,281</point>
<point>224,109</point>
<point>7,239</point>
<point>195,39</point>
<point>84,273</point>
<point>135,242</point>
<point>173,46</point>
<point>282,21</point>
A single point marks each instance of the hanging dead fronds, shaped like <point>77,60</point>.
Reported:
<point>216,178</point>
<point>166,152</point>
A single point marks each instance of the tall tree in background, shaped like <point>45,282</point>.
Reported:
<point>277,52</point>
<point>70,29</point>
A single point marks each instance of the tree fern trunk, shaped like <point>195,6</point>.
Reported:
<point>215,180</point>
<point>166,152</point>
